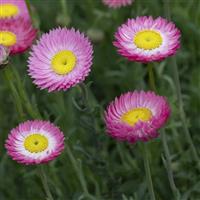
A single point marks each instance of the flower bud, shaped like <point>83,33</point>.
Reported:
<point>4,54</point>
<point>96,35</point>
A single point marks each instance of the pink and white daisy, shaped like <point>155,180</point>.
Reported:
<point>35,142</point>
<point>61,59</point>
<point>13,9</point>
<point>16,34</point>
<point>117,3</point>
<point>136,116</point>
<point>145,39</point>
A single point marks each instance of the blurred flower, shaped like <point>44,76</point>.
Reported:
<point>136,116</point>
<point>13,9</point>
<point>35,142</point>
<point>63,20</point>
<point>4,53</point>
<point>117,3</point>
<point>16,34</point>
<point>61,59</point>
<point>96,35</point>
<point>145,39</point>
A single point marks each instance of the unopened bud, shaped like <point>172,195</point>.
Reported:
<point>63,20</point>
<point>96,35</point>
<point>4,54</point>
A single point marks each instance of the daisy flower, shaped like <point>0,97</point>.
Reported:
<point>61,59</point>
<point>13,9</point>
<point>136,116</point>
<point>16,34</point>
<point>35,142</point>
<point>117,3</point>
<point>145,39</point>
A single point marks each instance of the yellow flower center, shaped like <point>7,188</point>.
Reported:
<point>8,10</point>
<point>36,143</point>
<point>7,38</point>
<point>137,114</point>
<point>148,39</point>
<point>63,62</point>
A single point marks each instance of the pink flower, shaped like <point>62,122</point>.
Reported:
<point>13,9</point>
<point>117,3</point>
<point>35,142</point>
<point>145,39</point>
<point>136,116</point>
<point>61,59</point>
<point>17,34</point>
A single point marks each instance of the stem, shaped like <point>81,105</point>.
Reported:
<point>167,9</point>
<point>168,166</point>
<point>33,112</point>
<point>79,173</point>
<point>28,4</point>
<point>179,96</point>
<point>16,98</point>
<point>177,141</point>
<point>148,172</point>
<point>181,110</point>
<point>164,141</point>
<point>45,183</point>
<point>64,7</point>
<point>82,103</point>
<point>151,77</point>
<point>34,18</point>
<point>64,16</point>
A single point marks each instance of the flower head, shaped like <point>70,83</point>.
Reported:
<point>4,53</point>
<point>16,34</point>
<point>145,39</point>
<point>35,142</point>
<point>13,9</point>
<point>136,116</point>
<point>117,3</point>
<point>61,59</point>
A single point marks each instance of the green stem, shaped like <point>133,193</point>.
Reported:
<point>148,172</point>
<point>182,112</point>
<point>19,93</point>
<point>28,4</point>
<point>79,173</point>
<point>177,141</point>
<point>151,77</point>
<point>167,9</point>
<point>45,183</point>
<point>179,96</point>
<point>16,98</point>
<point>164,141</point>
<point>168,166</point>
<point>33,17</point>
<point>64,7</point>
<point>64,16</point>
<point>33,112</point>
<point>76,168</point>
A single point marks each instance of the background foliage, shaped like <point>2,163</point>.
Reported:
<point>110,170</point>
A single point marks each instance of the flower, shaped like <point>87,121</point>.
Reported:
<point>136,116</point>
<point>16,34</point>
<point>145,39</point>
<point>35,142</point>
<point>4,53</point>
<point>13,9</point>
<point>61,59</point>
<point>117,3</point>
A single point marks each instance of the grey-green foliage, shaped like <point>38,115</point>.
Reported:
<point>111,170</point>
